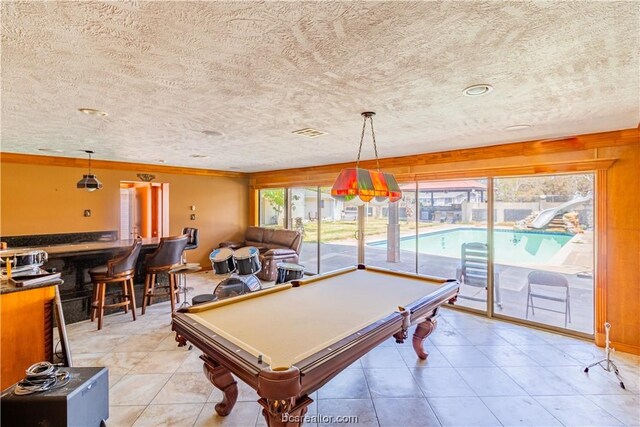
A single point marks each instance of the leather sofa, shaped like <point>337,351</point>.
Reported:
<point>275,246</point>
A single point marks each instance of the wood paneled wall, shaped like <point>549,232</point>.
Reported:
<point>614,156</point>
<point>24,339</point>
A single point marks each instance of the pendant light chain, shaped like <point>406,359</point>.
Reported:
<point>364,126</point>
<point>373,136</point>
<point>375,147</point>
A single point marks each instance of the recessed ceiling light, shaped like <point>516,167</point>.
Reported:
<point>50,150</point>
<point>212,133</point>
<point>92,112</point>
<point>309,133</point>
<point>199,156</point>
<point>477,90</point>
<point>162,161</point>
<point>234,168</point>
<point>517,127</point>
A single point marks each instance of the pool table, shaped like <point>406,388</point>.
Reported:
<point>289,340</point>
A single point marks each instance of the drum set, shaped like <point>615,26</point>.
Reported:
<point>239,267</point>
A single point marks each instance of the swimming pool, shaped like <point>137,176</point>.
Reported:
<point>510,246</point>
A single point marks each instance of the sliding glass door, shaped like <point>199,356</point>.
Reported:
<point>452,237</point>
<point>390,231</point>
<point>303,216</point>
<point>338,233</point>
<point>540,252</point>
<point>544,249</point>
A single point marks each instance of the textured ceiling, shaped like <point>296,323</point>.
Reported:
<point>255,72</point>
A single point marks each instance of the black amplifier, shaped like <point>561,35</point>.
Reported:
<point>83,402</point>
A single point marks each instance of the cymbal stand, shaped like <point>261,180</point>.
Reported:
<point>606,363</point>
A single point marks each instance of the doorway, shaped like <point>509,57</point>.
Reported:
<point>144,209</point>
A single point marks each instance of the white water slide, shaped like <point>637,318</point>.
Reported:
<point>545,216</point>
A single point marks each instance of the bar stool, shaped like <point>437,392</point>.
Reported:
<point>193,240</point>
<point>163,259</point>
<point>182,270</point>
<point>118,270</point>
<point>192,243</point>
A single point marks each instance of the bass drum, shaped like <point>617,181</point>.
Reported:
<point>234,286</point>
<point>222,261</point>
<point>248,260</point>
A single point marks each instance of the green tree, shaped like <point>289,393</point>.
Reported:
<point>275,197</point>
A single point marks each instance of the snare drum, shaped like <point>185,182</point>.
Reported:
<point>248,260</point>
<point>222,261</point>
<point>288,271</point>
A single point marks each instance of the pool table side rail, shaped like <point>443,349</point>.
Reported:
<point>240,362</point>
<point>373,269</point>
<point>323,276</point>
<point>320,368</point>
<point>447,292</point>
<point>236,299</point>
<point>407,274</point>
<point>418,309</point>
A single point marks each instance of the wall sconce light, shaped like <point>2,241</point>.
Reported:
<point>146,177</point>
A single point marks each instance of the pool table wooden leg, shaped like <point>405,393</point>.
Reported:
<point>223,380</point>
<point>286,412</point>
<point>281,399</point>
<point>423,330</point>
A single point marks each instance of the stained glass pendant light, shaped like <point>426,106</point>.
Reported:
<point>358,186</point>
<point>89,182</point>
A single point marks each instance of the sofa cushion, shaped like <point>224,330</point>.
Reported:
<point>283,238</point>
<point>254,235</point>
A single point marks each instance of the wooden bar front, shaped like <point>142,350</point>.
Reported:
<point>26,330</point>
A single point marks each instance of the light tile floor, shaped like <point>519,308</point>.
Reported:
<point>479,372</point>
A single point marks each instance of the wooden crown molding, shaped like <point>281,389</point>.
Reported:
<point>33,159</point>
<point>457,173</point>
<point>406,165</point>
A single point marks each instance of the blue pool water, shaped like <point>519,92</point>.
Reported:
<point>510,246</point>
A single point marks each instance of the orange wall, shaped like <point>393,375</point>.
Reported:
<point>40,199</point>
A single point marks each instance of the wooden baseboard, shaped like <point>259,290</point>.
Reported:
<point>626,348</point>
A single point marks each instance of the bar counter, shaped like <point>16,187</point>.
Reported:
<point>73,261</point>
<point>89,248</point>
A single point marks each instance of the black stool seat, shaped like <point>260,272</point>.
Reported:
<point>102,269</point>
<point>201,299</point>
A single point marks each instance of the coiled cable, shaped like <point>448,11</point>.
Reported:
<point>41,376</point>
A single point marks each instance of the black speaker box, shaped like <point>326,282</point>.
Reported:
<point>83,402</point>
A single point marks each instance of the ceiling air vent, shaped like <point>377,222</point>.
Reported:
<point>309,133</point>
